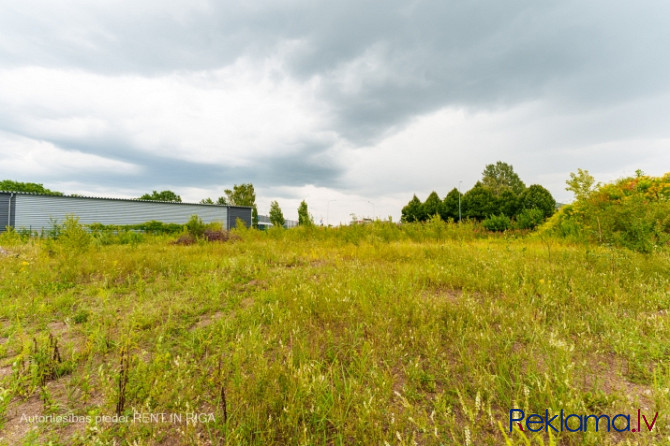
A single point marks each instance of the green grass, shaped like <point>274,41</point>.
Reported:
<point>426,334</point>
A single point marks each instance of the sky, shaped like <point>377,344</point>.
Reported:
<point>352,106</point>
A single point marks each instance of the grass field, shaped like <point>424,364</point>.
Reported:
<point>373,335</point>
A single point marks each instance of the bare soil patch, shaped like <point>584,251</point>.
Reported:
<point>609,376</point>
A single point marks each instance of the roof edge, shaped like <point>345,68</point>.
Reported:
<point>121,199</point>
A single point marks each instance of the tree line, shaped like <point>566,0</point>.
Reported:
<point>500,200</point>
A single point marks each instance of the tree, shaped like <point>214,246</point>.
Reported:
<point>222,201</point>
<point>17,186</point>
<point>276,215</point>
<point>206,201</point>
<point>254,217</point>
<point>479,202</point>
<point>581,184</point>
<point>166,195</point>
<point>241,195</point>
<point>432,205</point>
<point>413,211</point>
<point>450,205</point>
<point>501,176</point>
<point>304,219</point>
<point>508,203</point>
<point>537,197</point>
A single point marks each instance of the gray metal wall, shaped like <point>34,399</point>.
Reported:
<point>5,208</point>
<point>36,211</point>
<point>235,212</point>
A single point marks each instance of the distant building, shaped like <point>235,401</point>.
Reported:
<point>37,212</point>
<point>264,222</point>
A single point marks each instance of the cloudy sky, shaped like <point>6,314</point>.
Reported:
<point>350,105</point>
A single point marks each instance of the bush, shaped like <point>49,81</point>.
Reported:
<point>73,235</point>
<point>10,237</point>
<point>195,227</point>
<point>631,212</point>
<point>529,218</point>
<point>497,223</point>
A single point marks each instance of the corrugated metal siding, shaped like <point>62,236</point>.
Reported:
<point>242,213</point>
<point>4,211</point>
<point>36,211</point>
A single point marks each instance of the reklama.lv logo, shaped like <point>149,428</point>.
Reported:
<point>576,423</point>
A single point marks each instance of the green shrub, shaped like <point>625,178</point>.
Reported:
<point>195,227</point>
<point>631,212</point>
<point>10,237</point>
<point>73,236</point>
<point>529,218</point>
<point>497,223</point>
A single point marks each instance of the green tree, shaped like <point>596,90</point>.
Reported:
<point>450,205</point>
<point>501,176</point>
<point>222,201</point>
<point>241,195</point>
<point>276,215</point>
<point>432,206</point>
<point>166,195</point>
<point>254,217</point>
<point>479,202</point>
<point>413,211</point>
<point>206,201</point>
<point>581,184</point>
<point>304,219</point>
<point>508,203</point>
<point>537,197</point>
<point>17,186</point>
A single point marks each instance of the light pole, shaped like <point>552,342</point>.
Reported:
<point>373,209</point>
<point>459,200</point>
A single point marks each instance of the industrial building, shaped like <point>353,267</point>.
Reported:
<point>264,222</point>
<point>37,212</point>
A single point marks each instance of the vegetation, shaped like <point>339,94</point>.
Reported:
<point>17,186</point>
<point>166,195</point>
<point>413,211</point>
<point>221,201</point>
<point>276,216</point>
<point>632,212</point>
<point>500,201</point>
<point>304,218</point>
<point>500,177</point>
<point>423,333</point>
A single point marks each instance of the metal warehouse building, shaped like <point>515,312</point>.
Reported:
<point>37,212</point>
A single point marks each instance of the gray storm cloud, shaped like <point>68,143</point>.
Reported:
<point>296,93</point>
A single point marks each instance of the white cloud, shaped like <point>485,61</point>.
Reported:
<point>234,115</point>
<point>24,158</point>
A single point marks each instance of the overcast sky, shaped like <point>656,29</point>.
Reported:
<point>351,105</point>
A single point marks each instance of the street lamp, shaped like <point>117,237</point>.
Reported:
<point>459,200</point>
<point>373,209</point>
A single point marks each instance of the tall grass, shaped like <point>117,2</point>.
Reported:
<point>375,334</point>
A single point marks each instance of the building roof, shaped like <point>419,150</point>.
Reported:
<point>117,199</point>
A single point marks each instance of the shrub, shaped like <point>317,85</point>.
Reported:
<point>73,235</point>
<point>497,223</point>
<point>195,227</point>
<point>529,218</point>
<point>631,212</point>
<point>10,237</point>
<point>215,236</point>
<point>185,239</point>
